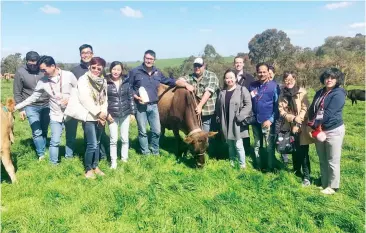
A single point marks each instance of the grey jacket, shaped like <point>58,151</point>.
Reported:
<point>24,84</point>
<point>240,108</point>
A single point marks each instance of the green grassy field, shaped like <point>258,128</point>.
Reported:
<point>161,194</point>
<point>171,62</point>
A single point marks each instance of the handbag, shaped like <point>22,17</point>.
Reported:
<point>285,140</point>
<point>251,119</point>
<point>74,108</point>
<point>285,143</point>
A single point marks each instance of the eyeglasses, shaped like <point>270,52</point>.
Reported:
<point>96,68</point>
<point>86,53</point>
<point>329,77</point>
<point>42,70</point>
<point>149,59</point>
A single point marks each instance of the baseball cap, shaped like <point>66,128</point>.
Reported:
<point>32,56</point>
<point>198,60</point>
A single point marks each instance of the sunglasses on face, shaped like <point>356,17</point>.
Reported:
<point>197,65</point>
<point>96,68</point>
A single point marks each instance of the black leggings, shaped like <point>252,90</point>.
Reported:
<point>301,160</point>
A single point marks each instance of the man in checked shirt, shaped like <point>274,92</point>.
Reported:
<point>204,84</point>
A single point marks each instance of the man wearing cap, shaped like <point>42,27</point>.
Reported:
<point>145,80</point>
<point>204,84</point>
<point>38,113</point>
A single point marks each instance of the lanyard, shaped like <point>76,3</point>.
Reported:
<point>262,93</point>
<point>49,83</point>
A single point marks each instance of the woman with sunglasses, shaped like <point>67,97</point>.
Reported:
<point>120,106</point>
<point>325,114</point>
<point>92,88</point>
<point>293,105</point>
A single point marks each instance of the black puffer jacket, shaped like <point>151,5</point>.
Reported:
<point>120,103</point>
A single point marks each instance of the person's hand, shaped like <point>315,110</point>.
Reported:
<point>102,116</point>
<point>189,87</point>
<point>139,99</point>
<point>101,122</point>
<point>266,124</point>
<point>198,109</point>
<point>110,119</point>
<point>22,115</point>
<point>295,129</point>
<point>64,101</point>
<point>298,119</point>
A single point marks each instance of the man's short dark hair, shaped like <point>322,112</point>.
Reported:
<point>334,73</point>
<point>271,67</point>
<point>47,60</point>
<point>32,56</point>
<point>150,52</point>
<point>239,57</point>
<point>261,64</point>
<point>84,46</point>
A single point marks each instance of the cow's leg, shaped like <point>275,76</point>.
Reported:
<point>162,134</point>
<point>179,141</point>
<point>355,101</point>
<point>8,164</point>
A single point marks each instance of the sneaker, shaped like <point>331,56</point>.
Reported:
<point>328,191</point>
<point>41,158</point>
<point>124,160</point>
<point>242,166</point>
<point>305,183</point>
<point>98,172</point>
<point>114,165</point>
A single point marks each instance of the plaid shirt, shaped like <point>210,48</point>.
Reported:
<point>209,82</point>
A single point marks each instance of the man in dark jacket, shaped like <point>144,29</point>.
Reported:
<point>25,81</point>
<point>244,79</point>
<point>86,54</point>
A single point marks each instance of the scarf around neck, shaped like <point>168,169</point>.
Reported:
<point>290,94</point>
<point>97,86</point>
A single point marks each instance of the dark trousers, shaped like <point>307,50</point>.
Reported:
<point>301,160</point>
<point>93,132</point>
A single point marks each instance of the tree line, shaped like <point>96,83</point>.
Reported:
<point>274,47</point>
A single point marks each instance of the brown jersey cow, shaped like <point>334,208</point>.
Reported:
<point>177,112</point>
<point>7,137</point>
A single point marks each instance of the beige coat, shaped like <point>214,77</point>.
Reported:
<point>302,104</point>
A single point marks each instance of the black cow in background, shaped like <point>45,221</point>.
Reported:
<point>355,95</point>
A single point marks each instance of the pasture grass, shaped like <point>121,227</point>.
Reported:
<point>164,194</point>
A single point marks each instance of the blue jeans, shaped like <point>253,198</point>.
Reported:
<point>207,122</point>
<point>93,132</point>
<point>56,132</point>
<point>39,119</point>
<point>148,113</point>
<point>236,149</point>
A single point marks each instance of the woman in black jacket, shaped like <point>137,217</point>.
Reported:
<point>325,114</point>
<point>120,106</point>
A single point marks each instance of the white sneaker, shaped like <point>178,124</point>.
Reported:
<point>328,191</point>
<point>114,165</point>
<point>242,166</point>
<point>124,160</point>
<point>41,158</point>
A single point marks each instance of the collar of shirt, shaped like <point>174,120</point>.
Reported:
<point>56,79</point>
<point>202,77</point>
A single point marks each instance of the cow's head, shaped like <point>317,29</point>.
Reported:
<point>199,141</point>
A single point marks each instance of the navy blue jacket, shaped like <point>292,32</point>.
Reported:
<point>265,102</point>
<point>333,107</point>
<point>140,77</point>
<point>120,100</point>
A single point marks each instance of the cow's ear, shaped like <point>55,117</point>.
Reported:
<point>188,140</point>
<point>10,104</point>
<point>211,134</point>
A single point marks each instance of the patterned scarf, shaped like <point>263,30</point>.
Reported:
<point>290,94</point>
<point>98,86</point>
